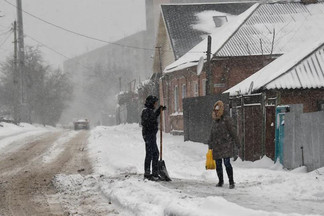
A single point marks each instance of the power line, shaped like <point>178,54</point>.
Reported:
<point>87,36</point>
<point>5,40</point>
<point>55,51</point>
<point>77,33</point>
<point>5,32</point>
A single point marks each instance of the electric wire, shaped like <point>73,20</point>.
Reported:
<point>5,32</point>
<point>5,40</point>
<point>54,50</point>
<point>77,33</point>
<point>87,36</point>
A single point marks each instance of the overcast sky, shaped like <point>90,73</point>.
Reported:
<point>109,20</point>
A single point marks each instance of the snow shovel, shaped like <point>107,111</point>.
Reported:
<point>162,171</point>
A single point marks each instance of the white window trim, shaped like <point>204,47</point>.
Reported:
<point>176,98</point>
<point>195,90</point>
<point>184,91</point>
<point>204,86</point>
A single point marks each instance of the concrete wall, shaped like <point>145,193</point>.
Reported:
<point>303,130</point>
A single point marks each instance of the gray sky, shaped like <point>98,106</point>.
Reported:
<point>109,20</point>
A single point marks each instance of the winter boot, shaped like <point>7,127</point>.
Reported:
<point>232,185</point>
<point>147,175</point>
<point>220,178</point>
<point>230,177</point>
<point>155,177</point>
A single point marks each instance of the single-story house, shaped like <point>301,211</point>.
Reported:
<point>240,48</point>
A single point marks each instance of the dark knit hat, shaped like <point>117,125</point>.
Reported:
<point>150,100</point>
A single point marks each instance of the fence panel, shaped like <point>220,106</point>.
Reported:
<point>197,116</point>
<point>304,140</point>
<point>253,133</point>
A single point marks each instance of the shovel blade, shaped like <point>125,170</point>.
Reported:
<point>162,171</point>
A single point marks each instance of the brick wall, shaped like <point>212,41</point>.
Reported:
<point>308,97</point>
<point>227,72</point>
<point>230,71</point>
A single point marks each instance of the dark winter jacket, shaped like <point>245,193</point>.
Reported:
<point>149,119</point>
<point>223,138</point>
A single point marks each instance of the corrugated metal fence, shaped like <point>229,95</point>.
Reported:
<point>304,139</point>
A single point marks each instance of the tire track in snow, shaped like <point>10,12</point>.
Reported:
<point>58,146</point>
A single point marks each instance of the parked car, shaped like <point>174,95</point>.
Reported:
<point>81,124</point>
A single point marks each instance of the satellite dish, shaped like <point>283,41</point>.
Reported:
<point>250,88</point>
<point>200,65</point>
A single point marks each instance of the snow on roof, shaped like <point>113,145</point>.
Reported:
<point>218,39</point>
<point>276,28</point>
<point>273,28</point>
<point>188,24</point>
<point>301,68</point>
<point>206,23</point>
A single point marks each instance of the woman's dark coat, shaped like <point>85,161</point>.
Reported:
<point>223,138</point>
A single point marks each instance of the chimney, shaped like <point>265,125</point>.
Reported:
<point>219,20</point>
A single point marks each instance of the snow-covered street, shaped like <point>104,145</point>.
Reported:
<point>54,176</point>
<point>262,187</point>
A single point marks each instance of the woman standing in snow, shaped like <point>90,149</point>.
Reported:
<point>222,140</point>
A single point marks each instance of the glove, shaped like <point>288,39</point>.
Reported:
<point>163,107</point>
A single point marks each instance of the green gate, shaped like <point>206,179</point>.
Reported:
<point>280,131</point>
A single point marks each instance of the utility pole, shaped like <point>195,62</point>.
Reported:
<point>209,77</point>
<point>16,78</point>
<point>160,60</point>
<point>159,75</point>
<point>120,84</point>
<point>21,65</point>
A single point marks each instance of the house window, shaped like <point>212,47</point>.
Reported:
<point>184,91</point>
<point>176,103</point>
<point>195,89</point>
<point>204,82</point>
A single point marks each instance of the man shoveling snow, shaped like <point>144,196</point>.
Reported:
<point>149,121</point>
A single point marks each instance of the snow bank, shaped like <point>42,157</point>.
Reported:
<point>262,187</point>
<point>11,132</point>
<point>264,162</point>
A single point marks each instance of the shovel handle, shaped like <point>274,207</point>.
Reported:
<point>161,128</point>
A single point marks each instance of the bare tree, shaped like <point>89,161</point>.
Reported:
<point>47,91</point>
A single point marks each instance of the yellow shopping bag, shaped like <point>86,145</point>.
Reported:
<point>210,162</point>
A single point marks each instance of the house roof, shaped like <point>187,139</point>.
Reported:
<point>270,28</point>
<point>302,68</point>
<point>189,24</point>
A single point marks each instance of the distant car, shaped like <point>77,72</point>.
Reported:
<point>81,124</point>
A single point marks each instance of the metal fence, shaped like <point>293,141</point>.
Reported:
<point>254,119</point>
<point>304,139</point>
<point>197,116</point>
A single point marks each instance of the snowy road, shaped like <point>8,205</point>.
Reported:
<point>100,172</point>
<point>28,166</point>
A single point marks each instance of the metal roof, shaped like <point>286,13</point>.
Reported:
<point>275,28</point>
<point>181,18</point>
<point>307,74</point>
<point>270,28</point>
<point>302,68</point>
